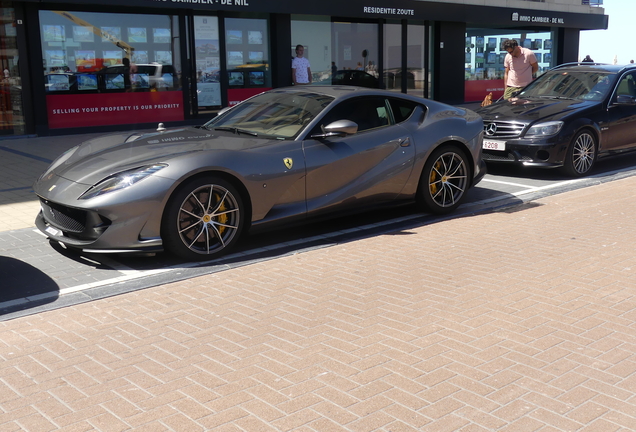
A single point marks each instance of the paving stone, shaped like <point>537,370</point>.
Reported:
<point>494,321</point>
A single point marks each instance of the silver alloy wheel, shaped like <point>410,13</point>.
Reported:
<point>208,219</point>
<point>583,153</point>
<point>448,179</point>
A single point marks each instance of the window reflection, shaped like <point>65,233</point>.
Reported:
<point>335,49</point>
<point>484,58</point>
<point>86,52</point>
<point>110,68</point>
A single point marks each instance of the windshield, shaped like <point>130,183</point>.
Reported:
<point>278,114</point>
<point>584,85</point>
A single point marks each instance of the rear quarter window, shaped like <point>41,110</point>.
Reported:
<point>402,109</point>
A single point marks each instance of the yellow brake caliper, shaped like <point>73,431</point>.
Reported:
<point>434,176</point>
<point>222,219</point>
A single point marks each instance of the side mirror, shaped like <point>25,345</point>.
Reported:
<point>338,128</point>
<point>224,110</point>
<point>625,100</point>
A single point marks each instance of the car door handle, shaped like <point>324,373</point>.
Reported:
<point>404,142</point>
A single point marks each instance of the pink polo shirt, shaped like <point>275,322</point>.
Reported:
<point>520,68</point>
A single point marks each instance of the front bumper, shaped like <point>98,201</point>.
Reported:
<point>534,153</point>
<point>481,173</point>
<point>92,243</point>
<point>128,220</point>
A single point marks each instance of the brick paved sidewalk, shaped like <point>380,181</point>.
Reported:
<point>519,320</point>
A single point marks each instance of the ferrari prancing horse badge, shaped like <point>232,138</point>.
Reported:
<point>288,162</point>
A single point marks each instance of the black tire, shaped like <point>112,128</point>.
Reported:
<point>203,219</point>
<point>445,180</point>
<point>581,154</point>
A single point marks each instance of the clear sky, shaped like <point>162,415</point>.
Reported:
<point>603,45</point>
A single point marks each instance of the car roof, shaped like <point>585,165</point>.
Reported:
<point>343,91</point>
<point>591,67</point>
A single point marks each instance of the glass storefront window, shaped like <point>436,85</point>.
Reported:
<point>392,56</point>
<point>415,73</point>
<point>356,45</point>
<point>248,62</point>
<point>484,62</point>
<point>314,33</point>
<point>11,114</point>
<point>110,68</point>
<point>415,53</point>
<point>333,47</point>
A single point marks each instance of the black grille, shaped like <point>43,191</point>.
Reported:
<point>64,218</point>
<point>501,156</point>
<point>502,129</point>
<point>504,157</point>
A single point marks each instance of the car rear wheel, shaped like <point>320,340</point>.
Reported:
<point>203,219</point>
<point>581,154</point>
<point>445,180</point>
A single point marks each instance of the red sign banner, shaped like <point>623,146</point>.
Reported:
<point>477,90</point>
<point>234,96</point>
<point>81,110</point>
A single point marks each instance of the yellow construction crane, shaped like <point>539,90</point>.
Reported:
<point>99,32</point>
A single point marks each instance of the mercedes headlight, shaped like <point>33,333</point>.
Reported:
<point>544,129</point>
<point>121,180</point>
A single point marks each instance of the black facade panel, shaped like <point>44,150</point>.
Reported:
<point>568,46</point>
<point>447,44</point>
<point>280,32</point>
<point>448,74</point>
<point>396,9</point>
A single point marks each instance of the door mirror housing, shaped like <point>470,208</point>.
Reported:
<point>339,128</point>
<point>625,100</point>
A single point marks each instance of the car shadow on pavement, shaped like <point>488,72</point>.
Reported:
<point>319,234</point>
<point>516,171</point>
<point>80,258</point>
<point>109,275</point>
<point>20,281</point>
<point>605,165</point>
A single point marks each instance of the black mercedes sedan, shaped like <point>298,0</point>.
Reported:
<point>567,118</point>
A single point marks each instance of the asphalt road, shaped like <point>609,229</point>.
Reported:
<point>37,275</point>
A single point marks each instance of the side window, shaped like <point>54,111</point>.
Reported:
<point>402,109</point>
<point>339,76</point>
<point>626,86</point>
<point>368,113</point>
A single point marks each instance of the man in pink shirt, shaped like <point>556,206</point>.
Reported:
<point>520,65</point>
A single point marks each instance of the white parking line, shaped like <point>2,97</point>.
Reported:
<point>550,186</point>
<point>531,189</point>
<point>503,182</point>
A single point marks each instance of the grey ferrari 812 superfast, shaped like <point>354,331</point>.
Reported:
<point>284,156</point>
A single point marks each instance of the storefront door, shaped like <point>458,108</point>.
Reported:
<point>207,52</point>
<point>244,72</point>
<point>11,115</point>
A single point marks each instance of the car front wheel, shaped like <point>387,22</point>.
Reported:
<point>445,180</point>
<point>203,219</point>
<point>581,154</point>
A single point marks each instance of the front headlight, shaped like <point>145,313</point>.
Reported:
<point>121,180</point>
<point>544,129</point>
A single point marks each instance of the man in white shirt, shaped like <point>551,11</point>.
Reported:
<point>301,71</point>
